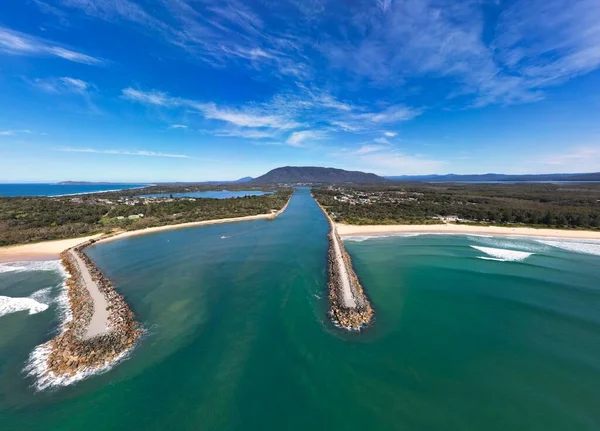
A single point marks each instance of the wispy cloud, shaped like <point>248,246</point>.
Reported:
<point>216,32</point>
<point>61,85</point>
<point>536,43</point>
<point>178,126</point>
<point>246,117</point>
<point>383,141</point>
<point>387,160</point>
<point>246,133</point>
<point>298,139</point>
<point>142,153</point>
<point>390,134</point>
<point>392,114</point>
<point>17,43</point>
<point>369,148</point>
<point>15,132</point>
<point>150,97</point>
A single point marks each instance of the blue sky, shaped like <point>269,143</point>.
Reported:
<point>192,90</point>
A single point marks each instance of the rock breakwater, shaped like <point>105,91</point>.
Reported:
<point>349,306</point>
<point>360,313</point>
<point>72,352</point>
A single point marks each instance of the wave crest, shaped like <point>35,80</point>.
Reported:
<point>576,247</point>
<point>502,255</point>
<point>32,303</point>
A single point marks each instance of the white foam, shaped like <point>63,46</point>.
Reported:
<point>576,247</point>
<point>44,265</point>
<point>503,255</point>
<point>361,238</point>
<point>37,367</point>
<point>37,364</point>
<point>10,305</point>
<point>511,242</point>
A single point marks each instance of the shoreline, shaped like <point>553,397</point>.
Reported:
<point>345,230</point>
<point>51,250</point>
<point>149,230</point>
<point>45,250</point>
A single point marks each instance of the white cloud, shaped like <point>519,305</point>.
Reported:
<point>369,148</point>
<point>61,85</point>
<point>382,141</point>
<point>397,163</point>
<point>123,152</point>
<point>149,97</point>
<point>16,43</point>
<point>246,133</point>
<point>75,85</point>
<point>245,117</point>
<point>578,159</point>
<point>178,126</point>
<point>14,132</point>
<point>298,139</point>
<point>345,126</point>
<point>390,134</point>
<point>392,114</point>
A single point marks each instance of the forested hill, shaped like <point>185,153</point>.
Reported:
<point>309,174</point>
<point>595,176</point>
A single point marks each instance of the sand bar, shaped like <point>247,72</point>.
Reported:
<point>449,228</point>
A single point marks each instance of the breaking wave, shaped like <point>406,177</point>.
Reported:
<point>32,303</point>
<point>45,265</point>
<point>515,243</point>
<point>502,255</point>
<point>573,246</point>
<point>361,238</point>
<point>37,367</point>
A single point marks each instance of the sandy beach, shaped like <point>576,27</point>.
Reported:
<point>41,250</point>
<point>352,230</point>
<point>51,249</point>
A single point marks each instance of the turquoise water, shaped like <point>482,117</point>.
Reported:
<point>213,194</point>
<point>60,189</point>
<point>238,339</point>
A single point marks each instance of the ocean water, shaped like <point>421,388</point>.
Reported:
<point>470,333</point>
<point>214,194</point>
<point>60,189</point>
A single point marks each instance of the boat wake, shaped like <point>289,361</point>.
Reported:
<point>502,255</point>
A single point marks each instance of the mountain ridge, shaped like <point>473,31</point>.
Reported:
<point>316,174</point>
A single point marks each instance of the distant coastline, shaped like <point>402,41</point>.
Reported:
<point>61,189</point>
<point>459,229</point>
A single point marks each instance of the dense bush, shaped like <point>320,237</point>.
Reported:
<point>30,219</point>
<point>574,205</point>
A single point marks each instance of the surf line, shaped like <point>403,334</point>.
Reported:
<point>102,328</point>
<point>349,306</point>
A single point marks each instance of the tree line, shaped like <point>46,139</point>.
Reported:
<point>548,205</point>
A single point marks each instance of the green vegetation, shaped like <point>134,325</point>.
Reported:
<point>572,206</point>
<point>32,219</point>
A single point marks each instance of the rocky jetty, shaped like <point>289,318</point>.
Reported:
<point>349,306</point>
<point>350,317</point>
<point>71,351</point>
